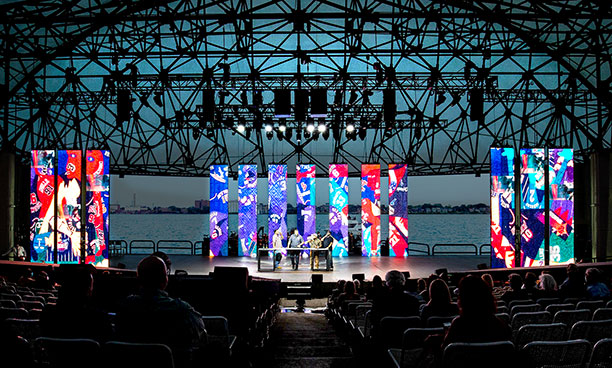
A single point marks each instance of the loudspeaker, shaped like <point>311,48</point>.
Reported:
<point>389,107</point>
<point>358,276</point>
<point>233,277</point>
<point>282,103</point>
<point>318,102</point>
<point>208,105</point>
<point>301,104</point>
<point>406,274</point>
<point>441,271</point>
<point>317,279</point>
<point>476,104</point>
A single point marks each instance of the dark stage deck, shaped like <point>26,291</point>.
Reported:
<point>419,266</point>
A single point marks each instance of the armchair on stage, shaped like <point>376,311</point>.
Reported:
<point>316,253</point>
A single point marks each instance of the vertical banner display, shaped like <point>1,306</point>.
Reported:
<point>218,210</point>
<point>247,210</point>
<point>69,206</point>
<point>277,202</point>
<point>338,208</point>
<point>533,213</point>
<point>561,205</point>
<point>42,206</point>
<point>97,204</point>
<point>398,210</point>
<point>503,216</point>
<point>370,210</point>
<point>306,202</point>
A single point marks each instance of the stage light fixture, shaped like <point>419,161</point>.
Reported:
<point>310,128</point>
<point>363,132</point>
<point>322,128</point>
<point>270,135</point>
<point>326,134</point>
<point>157,98</point>
<point>282,125</point>
<point>350,127</point>
<point>244,98</point>
<point>279,135</point>
<point>318,102</point>
<point>247,133</point>
<point>353,97</point>
<point>241,128</point>
<point>306,134</point>
<point>288,134</point>
<point>268,128</point>
<point>440,98</point>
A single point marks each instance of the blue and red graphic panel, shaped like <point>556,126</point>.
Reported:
<point>42,206</point>
<point>561,205</point>
<point>277,202</point>
<point>306,202</point>
<point>398,210</point>
<point>247,210</point>
<point>503,215</point>
<point>533,232</point>
<point>218,210</point>
<point>370,210</point>
<point>97,200</point>
<point>69,206</point>
<point>338,208</point>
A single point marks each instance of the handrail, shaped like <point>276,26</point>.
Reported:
<point>433,249</point>
<point>117,247</point>
<point>152,246</point>
<point>428,251</point>
<point>190,248</point>
<point>484,246</point>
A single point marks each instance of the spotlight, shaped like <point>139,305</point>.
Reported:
<point>241,128</point>
<point>322,128</point>
<point>270,135</point>
<point>282,125</point>
<point>310,128</point>
<point>306,134</point>
<point>350,127</point>
<point>268,128</point>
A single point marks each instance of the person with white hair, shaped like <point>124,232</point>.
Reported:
<point>548,287</point>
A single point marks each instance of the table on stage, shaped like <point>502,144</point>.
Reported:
<point>274,250</point>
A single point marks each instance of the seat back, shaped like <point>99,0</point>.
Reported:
<point>464,355</point>
<point>504,317</point>
<point>129,355</point>
<point>29,329</point>
<point>392,329</point>
<point>523,308</point>
<point>602,313</point>
<point>569,317</point>
<point>609,304</point>
<point>34,298</point>
<point>68,353</point>
<point>360,313</point>
<point>601,357</point>
<point>521,319</point>
<point>592,331</point>
<point>558,354</point>
<point>543,332</point>
<point>7,303</point>
<point>13,297</point>
<point>437,321</point>
<point>520,302</point>
<point>591,305</point>
<point>13,313</point>
<point>503,309</point>
<point>554,308</point>
<point>571,300</point>
<point>29,305</point>
<point>415,337</point>
<point>545,302</point>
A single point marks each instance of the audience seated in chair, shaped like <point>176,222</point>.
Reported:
<point>396,302</point>
<point>74,315</point>
<point>348,294</point>
<point>530,286</point>
<point>440,303</point>
<point>376,290</point>
<point>516,291</point>
<point>595,288</point>
<point>573,286</point>
<point>548,287</point>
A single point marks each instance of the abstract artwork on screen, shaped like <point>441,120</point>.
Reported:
<point>338,208</point>
<point>97,202</point>
<point>69,206</point>
<point>306,203</point>
<point>218,210</point>
<point>533,232</point>
<point>370,210</point>
<point>277,202</point>
<point>561,205</point>
<point>398,210</point>
<point>42,206</point>
<point>503,220</point>
<point>247,210</point>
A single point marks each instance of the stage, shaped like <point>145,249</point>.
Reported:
<point>419,266</point>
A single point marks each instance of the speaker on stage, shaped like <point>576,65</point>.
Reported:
<point>233,277</point>
<point>317,279</point>
<point>358,276</point>
<point>441,271</point>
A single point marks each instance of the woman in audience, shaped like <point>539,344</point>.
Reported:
<point>348,294</point>
<point>573,286</point>
<point>595,288</point>
<point>548,287</point>
<point>516,291</point>
<point>486,277</point>
<point>376,290</point>
<point>530,285</point>
<point>439,304</point>
<point>422,289</point>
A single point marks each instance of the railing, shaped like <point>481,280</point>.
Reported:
<point>484,246</point>
<point>422,251</point>
<point>178,245</point>
<point>140,244</point>
<point>473,251</point>
<point>117,247</point>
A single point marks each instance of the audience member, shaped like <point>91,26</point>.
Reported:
<point>396,302</point>
<point>548,287</point>
<point>530,285</point>
<point>573,286</point>
<point>348,294</point>
<point>595,288</point>
<point>486,277</point>
<point>376,290</point>
<point>440,302</point>
<point>516,291</point>
<point>164,257</point>
<point>357,286</point>
<point>422,290</point>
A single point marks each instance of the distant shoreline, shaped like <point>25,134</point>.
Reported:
<point>235,213</point>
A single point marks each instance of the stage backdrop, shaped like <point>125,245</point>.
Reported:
<point>306,202</point>
<point>532,206</point>
<point>218,210</point>
<point>69,206</point>
<point>503,219</point>
<point>398,210</point>
<point>338,208</point>
<point>370,210</point>
<point>247,211</point>
<point>561,205</point>
<point>98,205</point>
<point>277,202</point>
<point>42,206</point>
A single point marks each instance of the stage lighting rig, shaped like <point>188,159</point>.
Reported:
<point>310,128</point>
<point>322,128</point>
<point>353,97</point>
<point>282,125</point>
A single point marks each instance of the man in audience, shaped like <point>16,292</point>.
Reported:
<point>164,257</point>
<point>530,285</point>
<point>153,317</point>
<point>516,291</point>
<point>573,286</point>
<point>440,303</point>
<point>595,288</point>
<point>377,289</point>
<point>396,302</point>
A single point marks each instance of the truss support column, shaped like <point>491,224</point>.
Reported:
<point>601,208</point>
<point>7,201</point>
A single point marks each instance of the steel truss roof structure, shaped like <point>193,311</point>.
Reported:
<point>543,67</point>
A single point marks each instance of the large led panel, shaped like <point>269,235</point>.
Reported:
<point>338,208</point>
<point>306,202</point>
<point>247,210</point>
<point>398,210</point>
<point>277,202</point>
<point>42,206</point>
<point>97,204</point>
<point>69,206</point>
<point>533,232</point>
<point>370,210</point>
<point>218,210</point>
<point>503,216</point>
<point>561,205</point>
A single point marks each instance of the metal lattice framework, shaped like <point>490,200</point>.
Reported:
<point>544,68</point>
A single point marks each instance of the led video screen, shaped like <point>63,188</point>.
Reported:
<point>218,210</point>
<point>398,210</point>
<point>69,206</point>
<point>306,202</point>
<point>532,206</point>
<point>42,206</point>
<point>338,208</point>
<point>503,215</point>
<point>277,202</point>
<point>370,210</point>
<point>247,210</point>
<point>561,205</point>
<point>97,199</point>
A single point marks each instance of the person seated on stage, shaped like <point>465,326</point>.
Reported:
<point>151,316</point>
<point>315,242</point>
<point>74,315</point>
<point>277,243</point>
<point>573,286</point>
<point>516,291</point>
<point>349,294</point>
<point>440,303</point>
<point>595,288</point>
<point>377,289</point>
<point>295,241</point>
<point>396,302</point>
<point>164,257</point>
<point>328,243</point>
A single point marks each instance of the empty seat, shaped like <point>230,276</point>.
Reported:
<point>392,329</point>
<point>360,314</point>
<point>217,331</point>
<point>601,357</point>
<point>592,331</point>
<point>609,304</point>
<point>542,332</point>
<point>130,355</point>
<point>521,319</point>
<point>414,338</point>
<point>573,301</point>
<point>437,321</point>
<point>464,355</point>
<point>602,313</point>
<point>34,298</point>
<point>6,303</point>
<point>523,308</point>
<point>30,305</point>
<point>29,329</point>
<point>500,303</point>
<point>554,308</point>
<point>520,302</point>
<point>13,313</point>
<point>558,354</point>
<point>69,353</point>
<point>13,297</point>
<point>503,309</point>
<point>545,302</point>
<point>591,305</point>
<point>504,317</point>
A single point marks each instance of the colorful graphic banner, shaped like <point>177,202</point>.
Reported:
<point>533,214</point>
<point>277,202</point>
<point>69,206</point>
<point>561,205</point>
<point>306,202</point>
<point>398,210</point>
<point>42,206</point>
<point>370,210</point>
<point>218,210</point>
<point>97,204</point>
<point>247,210</point>
<point>503,215</point>
<point>338,208</point>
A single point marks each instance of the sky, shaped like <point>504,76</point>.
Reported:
<point>159,191</point>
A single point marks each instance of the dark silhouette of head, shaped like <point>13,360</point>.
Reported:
<point>516,281</point>
<point>439,292</point>
<point>592,276</point>
<point>475,297</point>
<point>421,285</point>
<point>395,279</point>
<point>152,273</point>
<point>349,287</point>
<point>488,279</point>
<point>164,257</point>
<point>77,285</point>
<point>377,282</point>
<point>530,280</point>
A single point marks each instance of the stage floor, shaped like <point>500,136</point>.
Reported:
<point>419,266</point>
